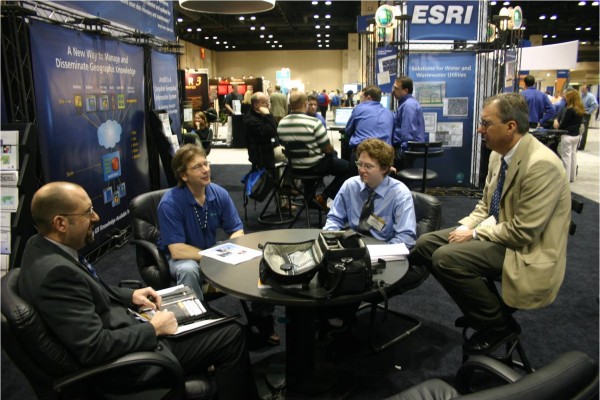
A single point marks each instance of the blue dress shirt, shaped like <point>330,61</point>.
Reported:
<point>370,119</point>
<point>393,204</point>
<point>541,109</point>
<point>409,124</point>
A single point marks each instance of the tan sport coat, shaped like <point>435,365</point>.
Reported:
<point>535,212</point>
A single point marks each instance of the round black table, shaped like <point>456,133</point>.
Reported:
<point>241,281</point>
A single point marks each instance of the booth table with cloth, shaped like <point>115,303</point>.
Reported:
<point>241,280</point>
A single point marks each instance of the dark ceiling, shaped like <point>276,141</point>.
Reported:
<point>293,26</point>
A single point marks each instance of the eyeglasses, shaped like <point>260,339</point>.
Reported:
<point>487,124</point>
<point>205,164</point>
<point>88,213</point>
<point>366,166</point>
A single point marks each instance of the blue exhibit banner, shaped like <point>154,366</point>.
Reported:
<point>154,17</point>
<point>443,20</point>
<point>387,68</point>
<point>165,87</point>
<point>89,94</point>
<point>444,84</point>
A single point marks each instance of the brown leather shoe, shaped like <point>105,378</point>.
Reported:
<point>320,200</point>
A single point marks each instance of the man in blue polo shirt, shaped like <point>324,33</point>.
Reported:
<point>369,120</point>
<point>190,214</point>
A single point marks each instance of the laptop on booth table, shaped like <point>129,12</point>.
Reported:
<point>342,115</point>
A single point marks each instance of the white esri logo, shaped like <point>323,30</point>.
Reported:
<point>440,14</point>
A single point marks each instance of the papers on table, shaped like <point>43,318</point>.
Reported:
<point>387,252</point>
<point>231,253</point>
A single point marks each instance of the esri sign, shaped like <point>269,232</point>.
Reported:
<point>443,20</point>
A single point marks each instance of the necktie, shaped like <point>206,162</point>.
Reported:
<point>495,204</point>
<point>365,213</point>
<point>90,268</point>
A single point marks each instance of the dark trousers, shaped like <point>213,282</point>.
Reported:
<point>323,110</point>
<point>458,267</point>
<point>586,123</point>
<point>332,165</point>
<point>225,348</point>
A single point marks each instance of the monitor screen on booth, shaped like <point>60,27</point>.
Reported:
<point>386,101</point>
<point>342,115</point>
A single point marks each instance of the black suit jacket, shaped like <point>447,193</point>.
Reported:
<point>91,320</point>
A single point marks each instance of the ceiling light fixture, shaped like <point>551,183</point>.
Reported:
<point>253,18</point>
<point>179,19</point>
<point>542,17</point>
<point>262,36</point>
<point>198,29</point>
<point>270,36</point>
<point>228,7</point>
<point>553,36</point>
<point>578,28</point>
<point>262,28</point>
<point>581,3</point>
<point>327,3</point>
<point>327,26</point>
<point>314,3</point>
<point>189,29</point>
<point>252,28</point>
<point>316,16</point>
<point>545,36</point>
<point>242,18</point>
<point>317,26</point>
<point>589,28</point>
<point>554,17</point>
<point>327,16</point>
<point>280,46</point>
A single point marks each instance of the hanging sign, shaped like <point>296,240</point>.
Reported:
<point>443,20</point>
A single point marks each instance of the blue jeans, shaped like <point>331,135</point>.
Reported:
<point>187,272</point>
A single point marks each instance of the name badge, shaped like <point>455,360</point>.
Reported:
<point>376,222</point>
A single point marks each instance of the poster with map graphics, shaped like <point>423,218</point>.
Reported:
<point>89,95</point>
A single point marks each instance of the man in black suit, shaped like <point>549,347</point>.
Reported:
<point>91,318</point>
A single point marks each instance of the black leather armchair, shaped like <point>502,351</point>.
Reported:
<point>572,376</point>
<point>54,373</point>
<point>151,263</point>
<point>428,213</point>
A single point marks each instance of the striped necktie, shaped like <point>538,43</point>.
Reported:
<point>495,204</point>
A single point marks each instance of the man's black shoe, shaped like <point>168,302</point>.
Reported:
<point>488,339</point>
<point>413,278</point>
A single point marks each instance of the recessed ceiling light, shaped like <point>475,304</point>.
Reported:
<point>327,26</point>
<point>493,3</point>
<point>198,29</point>
<point>578,28</point>
<point>317,26</point>
<point>554,17</point>
<point>218,42</point>
<point>318,40</point>
<point>326,45</point>
<point>595,3</point>
<point>327,3</point>
<point>226,47</point>
<point>252,28</point>
<point>214,37</point>
<point>179,19</point>
<point>327,16</point>
<point>262,28</point>
<point>268,41</point>
<point>320,45</point>
<point>275,41</point>
<point>253,18</point>
<point>327,35</point>
<point>316,16</point>
<point>280,46</point>
<point>224,42</point>
<point>545,36</point>
<point>326,40</point>
<point>206,37</point>
<point>189,29</point>
<point>242,18</point>
<point>506,3</point>
<point>553,36</point>
<point>262,36</point>
<point>542,16</point>
<point>314,3</point>
<point>318,35</point>
<point>589,28</point>
<point>272,46</point>
<point>270,36</point>
<point>233,47</point>
<point>582,3</point>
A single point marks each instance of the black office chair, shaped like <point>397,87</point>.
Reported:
<point>424,150</point>
<point>308,187</point>
<point>54,373</point>
<point>572,376</point>
<point>262,156</point>
<point>428,213</point>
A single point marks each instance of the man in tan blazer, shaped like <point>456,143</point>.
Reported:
<point>525,242</point>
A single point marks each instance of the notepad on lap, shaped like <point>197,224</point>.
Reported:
<point>387,252</point>
<point>190,312</point>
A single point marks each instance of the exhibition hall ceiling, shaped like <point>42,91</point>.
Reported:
<point>314,25</point>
